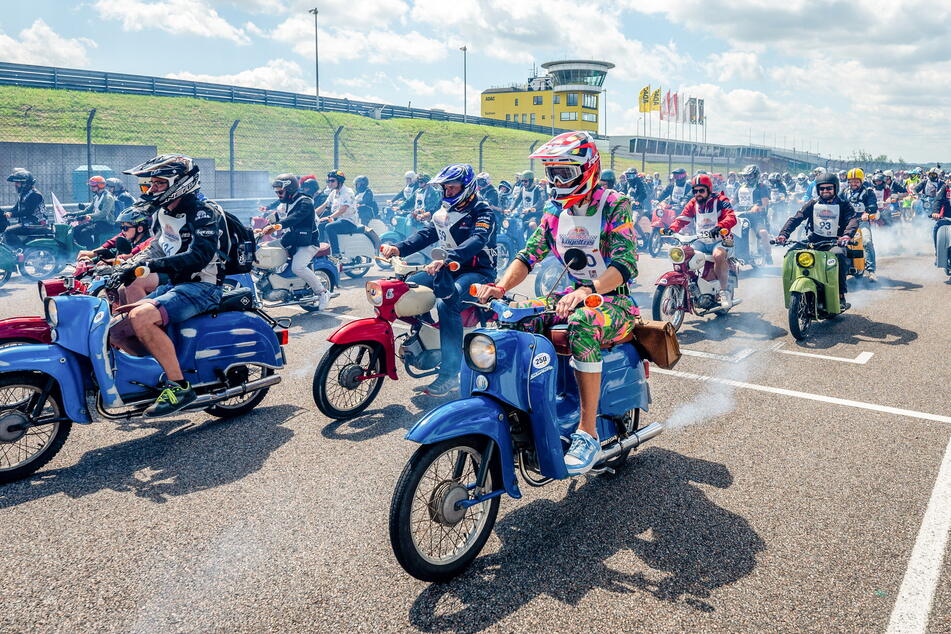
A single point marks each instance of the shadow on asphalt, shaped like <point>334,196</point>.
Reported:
<point>885,284</point>
<point>172,461</point>
<point>685,547</point>
<point>370,425</point>
<point>732,324</point>
<point>854,329</point>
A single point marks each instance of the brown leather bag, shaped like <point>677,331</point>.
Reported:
<point>657,342</point>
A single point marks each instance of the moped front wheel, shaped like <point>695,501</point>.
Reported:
<point>5,275</point>
<point>341,389</point>
<point>655,244</point>
<point>800,315</point>
<point>433,537</point>
<point>669,305</point>
<point>28,441</point>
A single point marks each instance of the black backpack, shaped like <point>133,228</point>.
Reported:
<point>238,244</point>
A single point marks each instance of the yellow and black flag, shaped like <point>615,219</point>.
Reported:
<point>655,100</point>
<point>644,101</point>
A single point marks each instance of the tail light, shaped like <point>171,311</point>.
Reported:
<point>647,369</point>
<point>283,336</point>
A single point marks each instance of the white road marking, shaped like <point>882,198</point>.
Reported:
<point>916,594</point>
<point>938,418</point>
<point>861,359</point>
<point>733,358</point>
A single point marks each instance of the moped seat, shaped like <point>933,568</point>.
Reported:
<point>323,249</point>
<point>237,299</point>
<point>559,338</point>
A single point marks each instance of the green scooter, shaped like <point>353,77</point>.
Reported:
<point>811,284</point>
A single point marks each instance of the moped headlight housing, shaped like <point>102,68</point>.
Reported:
<point>505,224</point>
<point>374,293</point>
<point>805,259</point>
<point>394,220</point>
<point>480,352</point>
<point>52,314</point>
<point>676,255</point>
<point>42,288</point>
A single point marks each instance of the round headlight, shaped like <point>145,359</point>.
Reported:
<point>374,293</point>
<point>42,288</point>
<point>481,352</point>
<point>505,224</point>
<point>52,314</point>
<point>805,259</point>
<point>393,221</point>
<point>676,255</point>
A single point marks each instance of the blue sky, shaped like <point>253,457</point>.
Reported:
<point>832,74</point>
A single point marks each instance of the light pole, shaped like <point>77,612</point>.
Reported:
<point>316,59</point>
<point>604,91</point>
<point>465,105</point>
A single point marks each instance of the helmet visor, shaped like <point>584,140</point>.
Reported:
<point>562,174</point>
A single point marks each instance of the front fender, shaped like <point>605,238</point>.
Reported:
<point>391,237</point>
<point>803,285</point>
<point>476,415</point>
<point>43,243</point>
<point>370,329</point>
<point>672,278</point>
<point>33,328</point>
<point>61,364</point>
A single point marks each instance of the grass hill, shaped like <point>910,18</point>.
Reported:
<point>268,138</point>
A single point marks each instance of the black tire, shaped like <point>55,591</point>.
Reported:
<point>345,378</point>
<point>545,279</point>
<point>240,405</point>
<point>630,424</point>
<point>5,276</point>
<point>40,263</point>
<point>359,271</point>
<point>655,243</point>
<point>426,567</point>
<point>660,295</point>
<point>504,254</point>
<point>15,389</point>
<point>799,316</point>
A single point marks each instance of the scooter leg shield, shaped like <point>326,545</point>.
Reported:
<point>476,415</point>
<point>942,244</point>
<point>57,362</point>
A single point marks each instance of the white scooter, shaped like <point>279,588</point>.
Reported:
<point>357,250</point>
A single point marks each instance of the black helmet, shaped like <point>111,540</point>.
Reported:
<point>180,171</point>
<point>338,175</point>
<point>608,177</point>
<point>115,185</point>
<point>20,175</point>
<point>361,182</point>
<point>308,185</point>
<point>504,183</point>
<point>750,174</point>
<point>138,214</point>
<point>679,174</point>
<point>288,183</point>
<point>827,178</point>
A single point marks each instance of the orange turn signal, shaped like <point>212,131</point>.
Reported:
<point>454,266</point>
<point>141,271</point>
<point>473,289</point>
<point>593,301</point>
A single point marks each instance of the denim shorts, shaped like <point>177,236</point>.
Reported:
<point>184,301</point>
<point>707,247</point>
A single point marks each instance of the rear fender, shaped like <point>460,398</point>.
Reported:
<point>55,361</point>
<point>476,415</point>
<point>33,328</point>
<point>370,329</point>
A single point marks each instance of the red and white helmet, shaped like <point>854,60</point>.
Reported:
<point>572,166</point>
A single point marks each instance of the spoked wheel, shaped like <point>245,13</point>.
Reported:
<point>340,388</point>
<point>328,283</point>
<point>503,255</point>
<point>433,537</point>
<point>800,315</point>
<point>546,278</point>
<point>243,403</point>
<point>28,443</point>
<point>655,244</point>
<point>359,271</point>
<point>39,263</point>
<point>669,305</point>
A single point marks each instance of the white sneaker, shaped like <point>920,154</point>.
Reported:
<point>323,301</point>
<point>725,301</point>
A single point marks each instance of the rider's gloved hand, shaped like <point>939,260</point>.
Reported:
<point>714,233</point>
<point>780,239</point>
<point>126,275</point>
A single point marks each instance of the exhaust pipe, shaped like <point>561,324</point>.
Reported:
<point>637,438</point>
<point>238,390</point>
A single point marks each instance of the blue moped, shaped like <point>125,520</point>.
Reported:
<point>403,225</point>
<point>229,355</point>
<point>522,405</point>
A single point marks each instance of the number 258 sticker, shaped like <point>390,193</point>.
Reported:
<point>541,360</point>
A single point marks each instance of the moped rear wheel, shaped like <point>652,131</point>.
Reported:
<point>339,389</point>
<point>40,263</point>
<point>668,305</point>
<point>800,315</point>
<point>432,538</point>
<point>243,403</point>
<point>359,271</point>
<point>25,450</point>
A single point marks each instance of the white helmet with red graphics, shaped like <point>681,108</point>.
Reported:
<point>572,167</point>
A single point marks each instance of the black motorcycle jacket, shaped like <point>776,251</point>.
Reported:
<point>471,229</point>
<point>863,200</point>
<point>29,209</point>
<point>187,244</point>
<point>299,223</point>
<point>848,220</point>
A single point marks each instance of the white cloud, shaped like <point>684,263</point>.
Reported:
<point>277,74</point>
<point>39,44</point>
<point>179,17</point>
<point>735,65</point>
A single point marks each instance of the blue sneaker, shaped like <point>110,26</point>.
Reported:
<point>584,453</point>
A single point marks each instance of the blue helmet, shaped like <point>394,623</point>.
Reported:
<point>461,173</point>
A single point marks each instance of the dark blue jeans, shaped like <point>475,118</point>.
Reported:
<point>330,230</point>
<point>450,317</point>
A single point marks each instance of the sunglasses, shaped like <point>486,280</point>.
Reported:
<point>699,190</point>
<point>826,188</point>
<point>127,227</point>
<point>331,180</point>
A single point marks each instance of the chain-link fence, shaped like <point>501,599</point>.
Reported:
<point>239,155</point>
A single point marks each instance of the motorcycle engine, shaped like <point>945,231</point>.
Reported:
<point>414,354</point>
<point>706,301</point>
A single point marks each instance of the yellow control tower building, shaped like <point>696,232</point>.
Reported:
<point>567,97</point>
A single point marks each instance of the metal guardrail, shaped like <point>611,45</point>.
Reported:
<point>97,81</point>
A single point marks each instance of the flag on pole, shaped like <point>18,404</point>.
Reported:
<point>692,110</point>
<point>675,107</point>
<point>644,102</point>
<point>700,118</point>
<point>59,213</point>
<point>665,107</point>
<point>655,100</point>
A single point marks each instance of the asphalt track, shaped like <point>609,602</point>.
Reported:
<point>797,489</point>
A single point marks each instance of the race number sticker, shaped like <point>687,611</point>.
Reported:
<point>541,360</point>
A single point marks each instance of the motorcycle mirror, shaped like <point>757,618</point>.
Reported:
<point>123,246</point>
<point>575,259</point>
<point>439,254</point>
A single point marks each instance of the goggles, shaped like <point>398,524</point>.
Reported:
<point>561,174</point>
